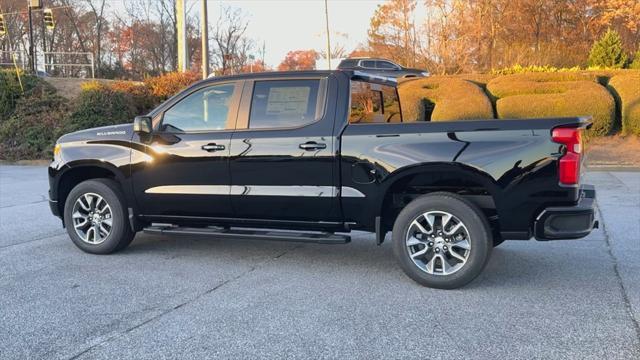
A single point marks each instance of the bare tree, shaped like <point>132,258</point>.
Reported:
<point>232,46</point>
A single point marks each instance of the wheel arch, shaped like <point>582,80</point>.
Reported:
<point>472,183</point>
<point>77,172</point>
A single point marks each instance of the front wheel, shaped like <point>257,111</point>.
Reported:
<point>442,240</point>
<point>95,217</point>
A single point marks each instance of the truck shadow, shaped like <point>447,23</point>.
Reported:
<point>515,264</point>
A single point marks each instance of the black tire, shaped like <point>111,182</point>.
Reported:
<point>120,235</point>
<point>476,224</point>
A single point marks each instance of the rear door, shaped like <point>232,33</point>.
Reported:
<point>387,67</point>
<point>283,153</point>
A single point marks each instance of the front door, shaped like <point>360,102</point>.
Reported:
<point>185,170</point>
<point>283,153</point>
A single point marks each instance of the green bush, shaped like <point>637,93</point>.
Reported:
<point>626,90</point>
<point>141,95</point>
<point>443,98</point>
<point>607,52</point>
<point>32,129</point>
<point>100,107</point>
<point>554,95</point>
<point>10,90</point>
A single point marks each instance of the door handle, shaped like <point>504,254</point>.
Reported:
<point>212,147</point>
<point>312,145</point>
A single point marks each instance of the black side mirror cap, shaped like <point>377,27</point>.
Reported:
<point>142,124</point>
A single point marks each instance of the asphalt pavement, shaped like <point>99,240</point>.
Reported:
<point>192,297</point>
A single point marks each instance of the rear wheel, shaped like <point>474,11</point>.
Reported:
<point>442,240</point>
<point>95,217</point>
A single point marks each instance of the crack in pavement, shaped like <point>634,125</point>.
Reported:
<point>44,199</point>
<point>44,237</point>
<point>187,302</point>
<point>623,290</point>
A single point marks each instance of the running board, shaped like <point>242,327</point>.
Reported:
<point>250,234</point>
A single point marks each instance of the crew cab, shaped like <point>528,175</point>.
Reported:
<point>311,156</point>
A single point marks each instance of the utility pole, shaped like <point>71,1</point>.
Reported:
<point>44,45</point>
<point>326,17</point>
<point>205,39</point>
<point>32,53</point>
<point>182,35</point>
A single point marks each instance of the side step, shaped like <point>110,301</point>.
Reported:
<point>250,234</point>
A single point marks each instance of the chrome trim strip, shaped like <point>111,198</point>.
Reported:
<point>256,190</point>
<point>351,192</point>
<point>190,189</point>
<point>284,190</point>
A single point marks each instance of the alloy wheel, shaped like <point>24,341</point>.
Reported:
<point>438,243</point>
<point>92,218</point>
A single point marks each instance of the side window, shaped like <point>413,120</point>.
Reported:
<point>204,110</point>
<point>374,103</point>
<point>370,64</point>
<point>386,65</point>
<point>286,103</point>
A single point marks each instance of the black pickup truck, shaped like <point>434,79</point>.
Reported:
<point>311,156</point>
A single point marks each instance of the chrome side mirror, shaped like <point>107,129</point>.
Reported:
<point>142,125</point>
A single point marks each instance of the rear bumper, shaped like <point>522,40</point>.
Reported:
<point>568,222</point>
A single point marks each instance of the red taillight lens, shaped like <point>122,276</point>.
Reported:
<point>569,169</point>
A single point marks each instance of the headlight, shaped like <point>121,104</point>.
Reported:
<point>425,73</point>
<point>56,149</point>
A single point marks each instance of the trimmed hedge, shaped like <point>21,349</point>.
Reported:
<point>555,95</point>
<point>626,90</point>
<point>441,99</point>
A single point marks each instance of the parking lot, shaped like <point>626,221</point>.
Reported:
<point>193,297</point>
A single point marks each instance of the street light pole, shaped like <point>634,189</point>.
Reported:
<point>182,35</point>
<point>205,39</point>
<point>326,17</point>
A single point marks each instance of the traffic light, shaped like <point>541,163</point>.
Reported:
<point>48,19</point>
<point>3,27</point>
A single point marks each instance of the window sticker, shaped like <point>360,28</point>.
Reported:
<point>288,100</point>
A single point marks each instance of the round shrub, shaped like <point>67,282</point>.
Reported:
<point>554,95</point>
<point>626,90</point>
<point>100,106</point>
<point>443,98</point>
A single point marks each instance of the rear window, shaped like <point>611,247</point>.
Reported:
<point>374,103</point>
<point>347,63</point>
<point>385,65</point>
<point>368,64</point>
<point>285,103</point>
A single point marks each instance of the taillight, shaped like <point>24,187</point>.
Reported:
<point>569,168</point>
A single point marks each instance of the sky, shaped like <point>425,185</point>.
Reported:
<point>286,25</point>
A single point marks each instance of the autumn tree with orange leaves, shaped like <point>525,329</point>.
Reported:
<point>299,60</point>
<point>459,36</point>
